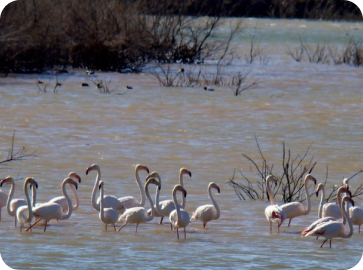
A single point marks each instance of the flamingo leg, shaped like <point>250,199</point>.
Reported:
<point>185,234</point>
<point>114,226</point>
<point>330,243</point>
<point>30,226</point>
<point>137,225</point>
<point>323,243</point>
<point>161,220</point>
<point>122,226</point>
<point>15,221</point>
<point>289,222</point>
<point>106,227</point>
<point>171,226</point>
<point>204,224</point>
<point>45,225</point>
<point>177,232</point>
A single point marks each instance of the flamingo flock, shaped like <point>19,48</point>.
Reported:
<point>113,210</point>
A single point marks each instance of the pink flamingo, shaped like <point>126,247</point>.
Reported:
<point>273,212</point>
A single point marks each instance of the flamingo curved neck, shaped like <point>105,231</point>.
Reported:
<point>10,197</point>
<point>69,202</point>
<point>272,200</point>
<point>308,201</point>
<point>34,195</point>
<point>94,191</point>
<point>322,199</point>
<point>181,182</point>
<point>102,212</point>
<point>214,202</point>
<point>149,218</point>
<point>28,202</point>
<point>346,218</point>
<point>177,207</point>
<point>141,189</point>
<point>157,200</point>
<point>76,203</point>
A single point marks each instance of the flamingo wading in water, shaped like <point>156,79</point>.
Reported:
<point>179,218</point>
<point>24,213</point>
<point>107,215</point>
<point>109,200</point>
<point>137,215</point>
<point>62,200</point>
<point>273,212</point>
<point>50,210</point>
<point>333,229</point>
<point>13,204</point>
<point>296,209</point>
<point>208,212</point>
<point>166,206</point>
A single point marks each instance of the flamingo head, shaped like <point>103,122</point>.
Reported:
<point>153,180</point>
<point>346,183</point>
<point>139,167</point>
<point>320,187</point>
<point>214,185</point>
<point>70,181</point>
<point>8,179</point>
<point>153,174</point>
<point>310,177</point>
<point>100,185</point>
<point>178,187</point>
<point>348,199</point>
<point>185,171</point>
<point>280,216</point>
<point>271,178</point>
<point>75,176</point>
<point>34,183</point>
<point>91,168</point>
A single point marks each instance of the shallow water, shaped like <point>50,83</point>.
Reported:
<point>207,132</point>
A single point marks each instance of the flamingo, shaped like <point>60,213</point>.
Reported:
<point>3,200</point>
<point>324,219</point>
<point>107,215</point>
<point>208,212</point>
<point>273,212</point>
<point>50,210</point>
<point>356,215</point>
<point>295,209</point>
<point>166,206</point>
<point>137,215</point>
<point>179,218</point>
<point>24,213</point>
<point>333,229</point>
<point>62,200</point>
<point>130,201</point>
<point>332,209</point>
<point>108,200</point>
<point>13,204</point>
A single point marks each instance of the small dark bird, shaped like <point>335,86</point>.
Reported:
<point>129,87</point>
<point>57,84</point>
<point>181,70</point>
<point>208,89</point>
<point>40,82</point>
<point>85,84</point>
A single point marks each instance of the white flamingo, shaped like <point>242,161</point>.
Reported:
<point>62,200</point>
<point>273,212</point>
<point>179,218</point>
<point>130,201</point>
<point>24,213</point>
<point>13,204</point>
<point>356,215</point>
<point>109,201</point>
<point>296,209</point>
<point>137,215</point>
<point>324,219</point>
<point>107,215</point>
<point>208,212</point>
<point>333,229</point>
<point>332,209</point>
<point>50,210</point>
<point>166,206</point>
